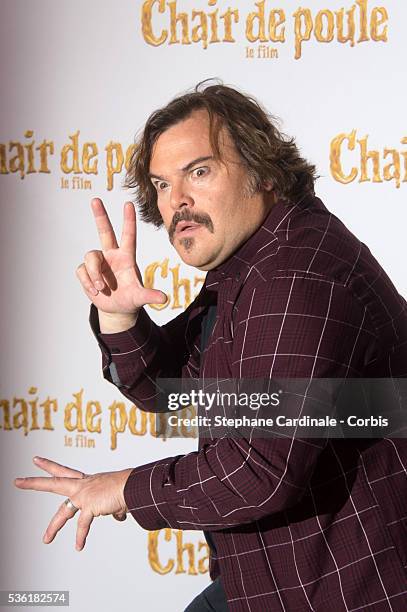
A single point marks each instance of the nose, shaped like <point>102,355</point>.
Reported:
<point>180,196</point>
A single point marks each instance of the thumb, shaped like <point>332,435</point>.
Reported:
<point>154,296</point>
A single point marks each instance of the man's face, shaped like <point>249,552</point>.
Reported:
<point>206,205</point>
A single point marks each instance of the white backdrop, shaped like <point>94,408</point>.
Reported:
<point>88,67</point>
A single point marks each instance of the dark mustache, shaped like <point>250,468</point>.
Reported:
<point>201,219</point>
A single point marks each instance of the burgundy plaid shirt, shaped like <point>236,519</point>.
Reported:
<point>298,524</point>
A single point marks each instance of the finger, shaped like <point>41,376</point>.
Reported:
<point>62,486</point>
<point>104,227</point>
<point>154,296</point>
<point>85,281</point>
<point>57,469</point>
<point>128,237</point>
<point>110,280</point>
<point>94,263</point>
<point>57,522</point>
<point>84,522</point>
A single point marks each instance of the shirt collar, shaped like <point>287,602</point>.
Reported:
<point>237,264</point>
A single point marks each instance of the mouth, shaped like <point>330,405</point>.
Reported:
<point>186,227</point>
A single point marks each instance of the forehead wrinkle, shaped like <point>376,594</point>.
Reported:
<point>228,153</point>
<point>189,166</point>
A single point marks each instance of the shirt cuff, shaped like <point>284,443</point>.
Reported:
<point>122,342</point>
<point>146,497</point>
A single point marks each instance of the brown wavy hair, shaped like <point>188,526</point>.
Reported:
<point>269,155</point>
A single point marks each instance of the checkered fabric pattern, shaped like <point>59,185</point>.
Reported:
<point>298,524</point>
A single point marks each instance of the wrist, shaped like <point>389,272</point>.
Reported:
<point>111,323</point>
<point>126,475</point>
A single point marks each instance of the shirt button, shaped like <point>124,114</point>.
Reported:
<point>238,276</point>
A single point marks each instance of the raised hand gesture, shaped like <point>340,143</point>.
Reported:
<point>93,494</point>
<point>111,278</point>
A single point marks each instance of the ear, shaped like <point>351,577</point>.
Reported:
<point>268,186</point>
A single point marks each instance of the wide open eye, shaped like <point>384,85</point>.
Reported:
<point>200,172</point>
<point>160,185</point>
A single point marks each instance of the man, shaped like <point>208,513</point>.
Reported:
<point>293,523</point>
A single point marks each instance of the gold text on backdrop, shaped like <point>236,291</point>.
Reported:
<point>373,166</point>
<point>165,23</point>
<point>156,554</point>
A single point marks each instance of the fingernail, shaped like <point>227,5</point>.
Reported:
<point>19,480</point>
<point>78,548</point>
<point>94,291</point>
<point>99,285</point>
<point>37,458</point>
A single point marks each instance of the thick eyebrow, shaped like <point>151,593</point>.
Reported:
<point>186,168</point>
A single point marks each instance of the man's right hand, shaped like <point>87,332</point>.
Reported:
<point>111,278</point>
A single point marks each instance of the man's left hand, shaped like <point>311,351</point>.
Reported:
<point>94,495</point>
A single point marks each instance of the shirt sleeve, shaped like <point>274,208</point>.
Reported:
<point>296,326</point>
<point>132,360</point>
